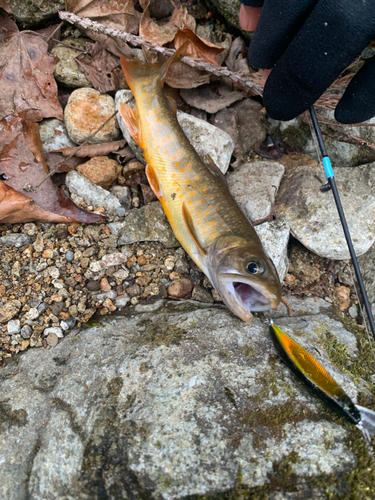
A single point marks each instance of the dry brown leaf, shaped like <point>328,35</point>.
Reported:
<point>196,46</point>
<point>100,68</point>
<point>4,4</point>
<point>22,163</point>
<point>116,14</point>
<point>92,150</point>
<point>57,162</point>
<point>160,35</point>
<point>26,73</point>
<point>182,76</point>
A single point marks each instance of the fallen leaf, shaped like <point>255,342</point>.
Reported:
<point>182,76</point>
<point>99,68</point>
<point>116,14</point>
<point>160,35</point>
<point>22,164</point>
<point>26,73</point>
<point>92,150</point>
<point>196,46</point>
<point>57,162</point>
<point>212,98</point>
<point>4,4</point>
<point>46,32</point>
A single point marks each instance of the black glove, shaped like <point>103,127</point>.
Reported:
<point>308,43</point>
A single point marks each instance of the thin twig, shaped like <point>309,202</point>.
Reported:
<point>54,31</point>
<point>244,81</point>
<point>29,188</point>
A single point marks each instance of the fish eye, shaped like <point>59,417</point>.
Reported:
<point>253,267</point>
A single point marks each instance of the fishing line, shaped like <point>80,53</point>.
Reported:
<point>332,184</point>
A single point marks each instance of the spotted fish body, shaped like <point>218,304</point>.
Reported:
<point>202,213</point>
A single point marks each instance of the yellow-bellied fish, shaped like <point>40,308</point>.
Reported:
<point>202,213</point>
<point>315,376</point>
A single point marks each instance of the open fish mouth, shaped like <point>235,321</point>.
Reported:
<point>250,297</point>
<point>244,297</point>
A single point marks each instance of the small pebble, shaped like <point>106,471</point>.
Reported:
<point>26,331</point>
<point>52,339</point>
<point>180,288</point>
<point>69,256</point>
<point>201,295</point>
<point>13,326</point>
<point>104,285</point>
<point>33,313</point>
<point>111,294</point>
<point>353,311</point>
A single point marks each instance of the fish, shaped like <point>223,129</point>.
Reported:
<point>317,378</point>
<point>203,215</point>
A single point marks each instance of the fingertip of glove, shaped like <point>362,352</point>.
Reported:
<point>284,99</point>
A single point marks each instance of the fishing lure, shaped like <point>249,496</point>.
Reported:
<point>315,376</point>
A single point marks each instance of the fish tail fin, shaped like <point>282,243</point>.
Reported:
<point>135,70</point>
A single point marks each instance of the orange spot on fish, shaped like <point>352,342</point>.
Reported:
<point>177,163</point>
<point>204,189</point>
<point>212,223</point>
<point>212,236</point>
<point>158,120</point>
<point>180,195</point>
<point>192,194</point>
<point>169,136</point>
<point>200,201</point>
<point>206,213</point>
<point>182,170</point>
<point>173,158</point>
<point>200,211</point>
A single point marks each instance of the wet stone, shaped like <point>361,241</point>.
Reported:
<point>100,170</point>
<point>52,339</point>
<point>93,285</point>
<point>201,295</point>
<point>69,256</point>
<point>26,331</point>
<point>13,326</point>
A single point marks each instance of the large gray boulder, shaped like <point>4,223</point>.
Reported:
<point>176,399</point>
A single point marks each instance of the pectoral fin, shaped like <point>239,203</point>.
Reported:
<point>191,230</point>
<point>131,119</point>
<point>153,180</point>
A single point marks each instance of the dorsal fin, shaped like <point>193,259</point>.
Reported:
<point>131,119</point>
<point>191,230</point>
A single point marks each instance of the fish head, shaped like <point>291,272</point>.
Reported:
<point>244,275</point>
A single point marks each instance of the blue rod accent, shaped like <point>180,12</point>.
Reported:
<point>328,167</point>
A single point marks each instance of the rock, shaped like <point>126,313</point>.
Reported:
<point>342,294</point>
<point>34,12</point>
<point>91,194</point>
<point>85,112</point>
<point>119,397</point>
<point>67,71</point>
<point>26,331</point>
<point>204,137</point>
<point>54,135</point>
<point>15,240</point>
<point>228,10</point>
<point>207,140</point>
<point>52,339</point>
<point>366,265</point>
<point>180,288</point>
<point>353,311</point>
<point>108,260</point>
<point>100,170</point>
<point>298,135</point>
<point>212,97</point>
<point>312,215</point>
<point>254,186</point>
<point>148,223</point>
<point>123,194</point>
<point>9,310</point>
<point>13,326</point>
<point>244,123</point>
<point>274,236</point>
<point>32,313</point>
<point>202,295</point>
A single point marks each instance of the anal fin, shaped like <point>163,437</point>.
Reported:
<point>213,168</point>
<point>191,230</point>
<point>131,119</point>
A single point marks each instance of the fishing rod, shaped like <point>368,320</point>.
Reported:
<point>332,184</point>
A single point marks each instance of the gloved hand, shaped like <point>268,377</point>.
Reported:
<point>307,44</point>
